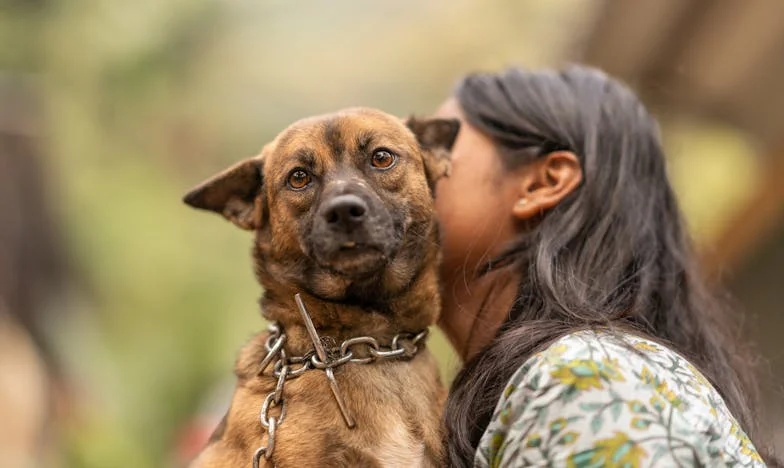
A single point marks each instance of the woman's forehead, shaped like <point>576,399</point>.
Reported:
<point>450,109</point>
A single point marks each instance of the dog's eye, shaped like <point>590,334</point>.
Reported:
<point>383,159</point>
<point>299,179</point>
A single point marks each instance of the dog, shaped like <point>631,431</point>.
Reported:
<point>345,247</point>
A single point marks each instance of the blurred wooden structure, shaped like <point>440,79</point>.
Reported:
<point>715,59</point>
<point>719,60</point>
<point>33,276</point>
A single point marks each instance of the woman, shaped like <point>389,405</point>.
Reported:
<point>571,291</point>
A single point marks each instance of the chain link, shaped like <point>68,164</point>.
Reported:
<point>268,404</point>
<point>404,345</point>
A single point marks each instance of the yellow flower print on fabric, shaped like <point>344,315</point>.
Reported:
<point>644,346</point>
<point>609,370</point>
<point>661,387</point>
<point>614,452</point>
<point>746,447</point>
<point>584,374</point>
<point>568,438</point>
<point>533,440</point>
<point>558,349</point>
<point>701,380</point>
<point>593,400</point>
<point>636,406</point>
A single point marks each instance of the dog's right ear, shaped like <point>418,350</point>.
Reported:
<point>436,136</point>
<point>235,193</point>
<point>434,133</point>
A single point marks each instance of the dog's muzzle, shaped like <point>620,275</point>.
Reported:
<point>353,234</point>
<point>345,213</point>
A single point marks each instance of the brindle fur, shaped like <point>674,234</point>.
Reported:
<point>397,404</point>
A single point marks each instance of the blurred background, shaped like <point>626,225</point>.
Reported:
<point>121,310</point>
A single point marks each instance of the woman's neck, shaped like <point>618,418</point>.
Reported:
<point>474,309</point>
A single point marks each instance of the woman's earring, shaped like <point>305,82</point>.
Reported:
<point>522,202</point>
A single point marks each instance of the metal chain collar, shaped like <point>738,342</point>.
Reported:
<point>285,367</point>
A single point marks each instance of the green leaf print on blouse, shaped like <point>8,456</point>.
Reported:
<point>585,374</point>
<point>596,399</point>
<point>615,452</point>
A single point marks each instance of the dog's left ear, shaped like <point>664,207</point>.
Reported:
<point>436,137</point>
<point>235,193</point>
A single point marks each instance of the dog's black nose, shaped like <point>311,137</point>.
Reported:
<point>345,210</point>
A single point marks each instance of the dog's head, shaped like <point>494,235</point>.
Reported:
<point>341,204</point>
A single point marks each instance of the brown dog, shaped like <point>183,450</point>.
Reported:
<point>343,215</point>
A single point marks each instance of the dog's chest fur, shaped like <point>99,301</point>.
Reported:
<point>398,448</point>
<point>396,405</point>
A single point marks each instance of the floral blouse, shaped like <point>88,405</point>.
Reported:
<point>595,399</point>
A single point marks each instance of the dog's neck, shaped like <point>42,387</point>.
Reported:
<point>410,311</point>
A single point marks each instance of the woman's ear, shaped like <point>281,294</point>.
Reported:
<point>236,193</point>
<point>545,182</point>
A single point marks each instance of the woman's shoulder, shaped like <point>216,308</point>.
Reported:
<point>615,361</point>
<point>593,397</point>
